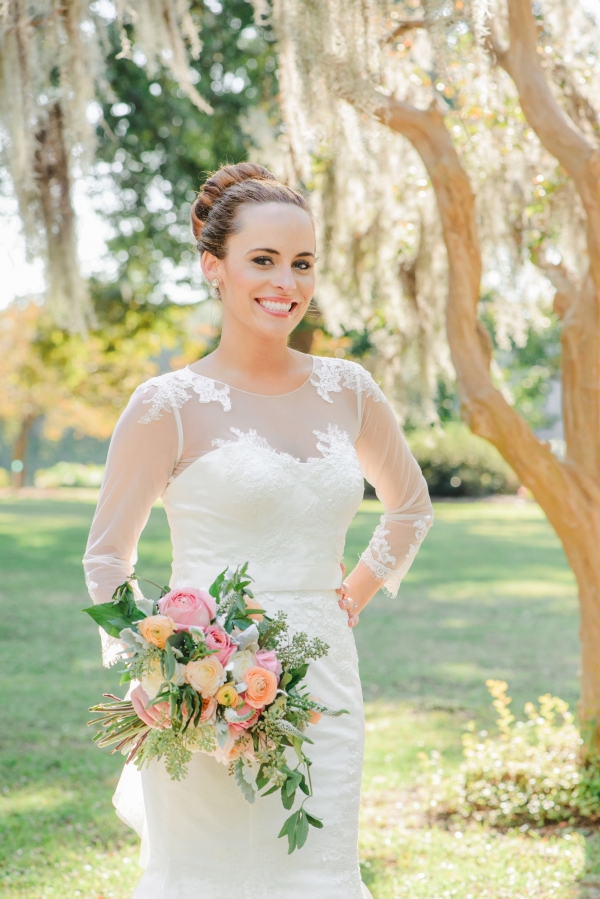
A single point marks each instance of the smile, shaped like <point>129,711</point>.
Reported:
<point>276,306</point>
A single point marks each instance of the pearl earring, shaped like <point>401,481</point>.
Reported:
<point>214,289</point>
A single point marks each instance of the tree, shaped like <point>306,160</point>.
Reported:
<point>52,66</point>
<point>69,381</point>
<point>352,57</point>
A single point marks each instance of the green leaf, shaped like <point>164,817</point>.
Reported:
<point>103,614</point>
<point>272,790</point>
<point>301,829</point>
<point>289,822</point>
<point>292,783</point>
<point>168,662</point>
<point>261,780</point>
<point>288,799</point>
<point>245,786</point>
<point>125,678</point>
<point>316,822</point>
<point>215,587</point>
<point>304,786</point>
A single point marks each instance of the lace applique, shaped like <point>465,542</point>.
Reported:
<point>331,372</point>
<point>333,442</point>
<point>172,391</point>
<point>91,586</point>
<point>251,438</point>
<point>384,556</point>
<point>379,566</point>
<point>421,527</point>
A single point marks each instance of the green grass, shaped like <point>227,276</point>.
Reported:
<point>490,595</point>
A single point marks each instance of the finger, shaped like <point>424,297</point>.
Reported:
<point>344,569</point>
<point>352,620</point>
<point>141,712</point>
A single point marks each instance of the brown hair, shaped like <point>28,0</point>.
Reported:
<point>215,210</point>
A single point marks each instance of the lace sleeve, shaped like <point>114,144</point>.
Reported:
<point>389,466</point>
<point>140,461</point>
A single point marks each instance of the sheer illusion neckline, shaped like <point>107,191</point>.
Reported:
<point>266,396</point>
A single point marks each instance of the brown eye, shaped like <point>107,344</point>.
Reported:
<point>262,260</point>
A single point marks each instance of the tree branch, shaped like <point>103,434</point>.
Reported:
<point>483,406</point>
<point>562,281</point>
<point>402,28</point>
<point>554,128</point>
<point>581,313</point>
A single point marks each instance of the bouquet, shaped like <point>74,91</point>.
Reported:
<point>227,679</point>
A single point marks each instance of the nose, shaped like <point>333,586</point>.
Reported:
<point>283,278</point>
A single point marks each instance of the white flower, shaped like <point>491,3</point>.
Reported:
<point>246,639</point>
<point>154,679</point>
<point>240,663</point>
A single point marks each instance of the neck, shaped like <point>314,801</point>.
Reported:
<point>253,355</point>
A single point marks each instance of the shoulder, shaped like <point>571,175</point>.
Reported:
<point>170,391</point>
<point>332,375</point>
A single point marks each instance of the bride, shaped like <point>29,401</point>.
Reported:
<point>258,453</point>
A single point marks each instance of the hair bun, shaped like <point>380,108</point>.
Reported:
<point>216,185</point>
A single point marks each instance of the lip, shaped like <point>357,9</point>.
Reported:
<point>278,314</point>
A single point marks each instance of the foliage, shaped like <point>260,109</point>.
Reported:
<point>528,775</point>
<point>71,381</point>
<point>382,253</point>
<point>457,463</point>
<point>69,474</point>
<point>153,147</point>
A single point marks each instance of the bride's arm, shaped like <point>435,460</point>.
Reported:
<point>389,466</point>
<point>140,461</point>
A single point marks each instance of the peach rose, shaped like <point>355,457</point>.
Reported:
<point>205,675</point>
<point>229,696</point>
<point>156,629</point>
<point>262,687</point>
<point>242,712</point>
<point>188,606</point>
<point>315,715</point>
<point>266,658</point>
<point>237,744</point>
<point>217,638</point>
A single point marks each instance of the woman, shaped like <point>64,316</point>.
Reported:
<point>258,453</point>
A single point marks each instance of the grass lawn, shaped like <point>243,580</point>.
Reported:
<point>490,595</point>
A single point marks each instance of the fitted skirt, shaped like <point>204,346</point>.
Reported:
<point>203,840</point>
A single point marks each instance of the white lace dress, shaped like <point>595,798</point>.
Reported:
<point>275,481</point>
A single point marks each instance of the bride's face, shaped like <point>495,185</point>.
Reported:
<point>267,277</point>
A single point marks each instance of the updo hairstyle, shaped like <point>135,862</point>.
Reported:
<point>215,210</point>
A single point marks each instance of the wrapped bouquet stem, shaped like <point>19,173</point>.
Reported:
<point>224,678</point>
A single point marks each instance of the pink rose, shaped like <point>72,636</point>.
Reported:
<point>266,658</point>
<point>238,744</point>
<point>242,712</point>
<point>188,607</point>
<point>217,638</point>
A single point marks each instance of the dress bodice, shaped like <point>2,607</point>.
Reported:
<point>244,501</point>
<point>273,480</point>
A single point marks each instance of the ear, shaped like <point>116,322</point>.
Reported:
<point>211,266</point>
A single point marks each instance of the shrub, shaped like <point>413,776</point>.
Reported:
<point>4,477</point>
<point>528,775</point>
<point>457,463</point>
<point>69,474</point>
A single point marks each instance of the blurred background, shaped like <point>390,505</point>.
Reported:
<point>448,149</point>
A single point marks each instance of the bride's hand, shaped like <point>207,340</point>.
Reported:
<point>139,699</point>
<point>346,602</point>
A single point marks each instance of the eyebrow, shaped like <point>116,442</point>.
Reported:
<point>276,252</point>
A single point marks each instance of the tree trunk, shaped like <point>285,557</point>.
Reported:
<point>19,450</point>
<point>569,492</point>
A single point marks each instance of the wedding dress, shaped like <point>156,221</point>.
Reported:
<point>275,481</point>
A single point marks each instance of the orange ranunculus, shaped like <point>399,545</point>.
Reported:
<point>156,629</point>
<point>261,687</point>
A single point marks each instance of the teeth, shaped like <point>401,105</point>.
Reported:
<point>272,306</point>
